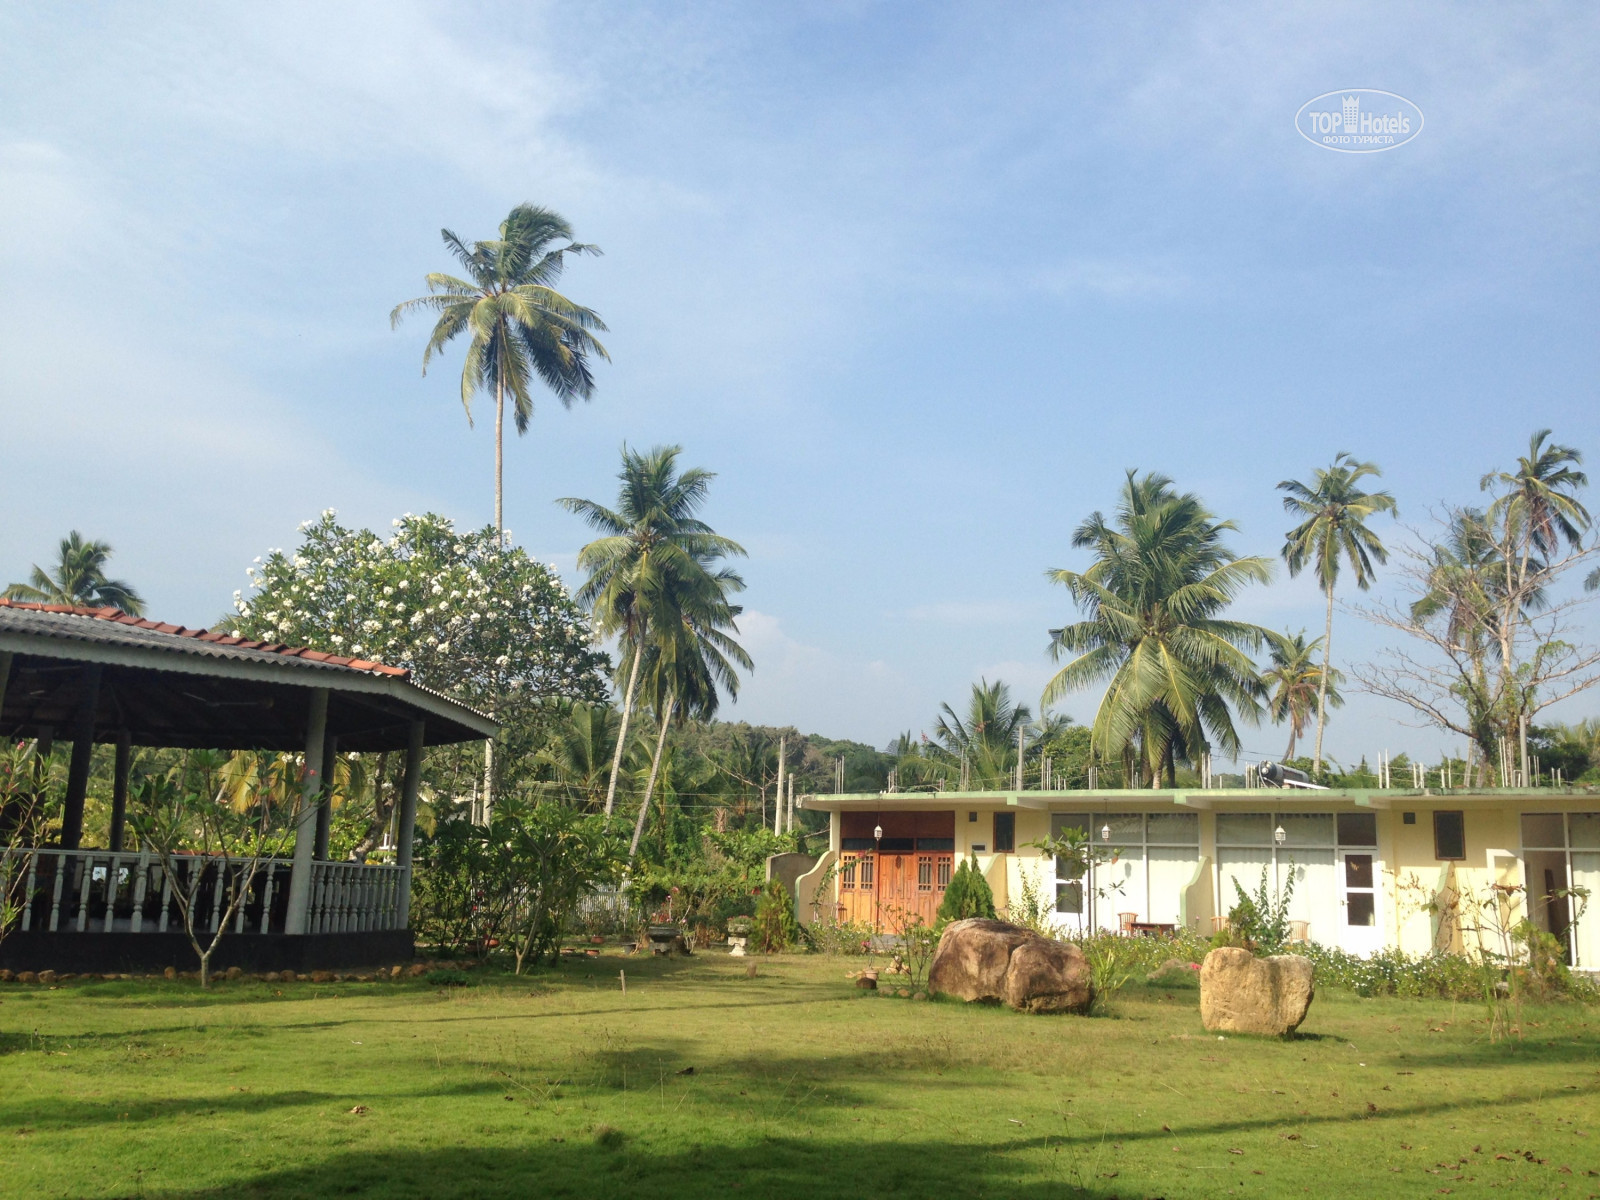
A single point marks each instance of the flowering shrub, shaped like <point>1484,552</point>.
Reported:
<point>466,616</point>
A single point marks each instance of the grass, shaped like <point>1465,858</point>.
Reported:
<point>702,1081</point>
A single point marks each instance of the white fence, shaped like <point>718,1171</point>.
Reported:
<point>99,891</point>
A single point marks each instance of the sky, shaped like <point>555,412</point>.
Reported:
<point>918,282</point>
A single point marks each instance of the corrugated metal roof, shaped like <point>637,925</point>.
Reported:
<point>113,627</point>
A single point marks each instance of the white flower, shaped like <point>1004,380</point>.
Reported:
<point>404,584</point>
<point>444,647</point>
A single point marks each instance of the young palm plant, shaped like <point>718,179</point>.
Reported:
<point>519,327</point>
<point>1294,679</point>
<point>1334,531</point>
<point>1176,669</point>
<point>655,567</point>
<point>78,578</point>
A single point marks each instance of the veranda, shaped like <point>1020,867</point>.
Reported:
<point>99,676</point>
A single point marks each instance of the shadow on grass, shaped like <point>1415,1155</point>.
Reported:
<point>614,1164</point>
<point>62,1113</point>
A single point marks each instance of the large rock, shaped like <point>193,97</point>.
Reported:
<point>997,963</point>
<point>1240,993</point>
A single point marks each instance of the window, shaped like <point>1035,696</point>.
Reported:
<point>1005,833</point>
<point>1157,855</point>
<point>1408,818</point>
<point>1449,836</point>
<point>1358,829</point>
<point>1249,851</point>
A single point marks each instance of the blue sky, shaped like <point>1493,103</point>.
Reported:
<point>918,282</point>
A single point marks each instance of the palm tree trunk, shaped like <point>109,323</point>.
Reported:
<point>622,733</point>
<point>655,770</point>
<point>1322,684</point>
<point>499,458</point>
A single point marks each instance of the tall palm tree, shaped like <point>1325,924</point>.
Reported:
<point>1334,531</point>
<point>1537,503</point>
<point>1176,669</point>
<point>655,566</point>
<point>1293,680</point>
<point>519,326</point>
<point>78,578</point>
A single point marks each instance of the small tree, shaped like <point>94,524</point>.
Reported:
<point>775,926</point>
<point>557,855</point>
<point>21,805</point>
<point>210,850</point>
<point>968,895</point>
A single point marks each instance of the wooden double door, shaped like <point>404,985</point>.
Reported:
<point>887,890</point>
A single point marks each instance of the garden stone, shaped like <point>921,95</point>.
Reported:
<point>27,977</point>
<point>47,977</point>
<point>994,962</point>
<point>1240,993</point>
<point>6,976</point>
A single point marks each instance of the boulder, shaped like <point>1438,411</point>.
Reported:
<point>27,977</point>
<point>170,973</point>
<point>47,977</point>
<point>1240,993</point>
<point>996,963</point>
<point>5,975</point>
<point>233,973</point>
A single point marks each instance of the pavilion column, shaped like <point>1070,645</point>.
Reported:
<point>119,789</point>
<point>5,674</point>
<point>408,821</point>
<point>330,759</point>
<point>82,756</point>
<point>305,825</point>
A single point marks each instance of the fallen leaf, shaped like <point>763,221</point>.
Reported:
<point>1014,1121</point>
<point>1232,1150</point>
<point>359,1110</point>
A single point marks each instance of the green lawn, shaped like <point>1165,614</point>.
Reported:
<point>701,1081</point>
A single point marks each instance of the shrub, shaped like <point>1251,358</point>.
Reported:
<point>775,928</point>
<point>968,895</point>
<point>832,936</point>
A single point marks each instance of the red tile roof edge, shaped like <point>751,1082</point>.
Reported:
<point>117,616</point>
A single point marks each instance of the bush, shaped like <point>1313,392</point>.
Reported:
<point>832,936</point>
<point>775,928</point>
<point>968,895</point>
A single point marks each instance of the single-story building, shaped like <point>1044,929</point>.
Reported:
<point>1420,869</point>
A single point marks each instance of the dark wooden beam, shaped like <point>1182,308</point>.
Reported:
<point>82,757</point>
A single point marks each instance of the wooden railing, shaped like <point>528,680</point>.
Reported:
<point>101,891</point>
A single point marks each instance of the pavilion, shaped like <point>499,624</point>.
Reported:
<point>101,676</point>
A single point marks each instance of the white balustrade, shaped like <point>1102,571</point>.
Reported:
<point>99,891</point>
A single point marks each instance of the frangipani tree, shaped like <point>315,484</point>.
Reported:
<point>469,617</point>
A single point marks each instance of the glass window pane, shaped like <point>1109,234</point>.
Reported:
<point>1306,829</point>
<point>1584,829</point>
<point>1242,868</point>
<point>1063,821</point>
<point>1005,833</point>
<point>1127,829</point>
<point>1449,836</point>
<point>1543,830</point>
<point>1361,909</point>
<point>1316,888</point>
<point>1069,897</point>
<point>1173,829</point>
<point>1170,870</point>
<point>1358,870</point>
<point>1358,829</point>
<point>1244,829</point>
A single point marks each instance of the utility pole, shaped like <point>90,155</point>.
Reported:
<point>1021,731</point>
<point>777,816</point>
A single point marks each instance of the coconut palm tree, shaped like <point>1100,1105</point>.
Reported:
<point>579,752</point>
<point>1334,531</point>
<point>687,661</point>
<point>1293,680</point>
<point>1176,670</point>
<point>1537,503</point>
<point>986,737</point>
<point>655,568</point>
<point>78,578</point>
<point>519,326</point>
